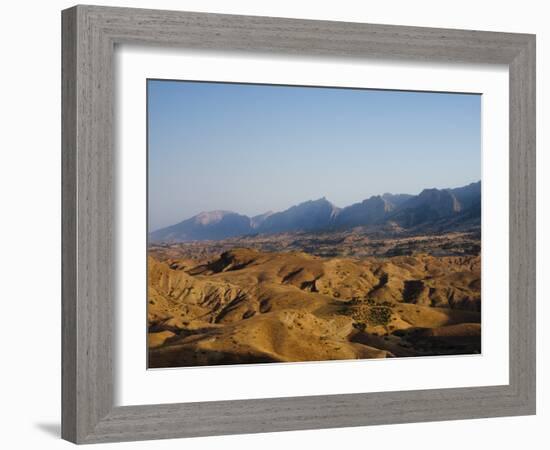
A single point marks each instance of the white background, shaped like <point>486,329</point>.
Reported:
<point>135,386</point>
<point>30,225</point>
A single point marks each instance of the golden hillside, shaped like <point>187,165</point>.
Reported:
<point>248,306</point>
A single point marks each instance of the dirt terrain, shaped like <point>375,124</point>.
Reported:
<point>352,243</point>
<point>272,299</point>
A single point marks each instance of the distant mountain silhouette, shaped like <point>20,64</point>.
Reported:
<point>256,221</point>
<point>308,216</point>
<point>211,225</point>
<point>368,212</point>
<point>433,210</point>
<point>469,196</point>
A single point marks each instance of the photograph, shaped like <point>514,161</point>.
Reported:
<point>271,225</point>
<point>289,224</point>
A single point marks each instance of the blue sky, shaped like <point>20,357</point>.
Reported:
<point>254,148</point>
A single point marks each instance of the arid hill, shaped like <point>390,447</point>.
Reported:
<point>343,244</point>
<point>250,306</point>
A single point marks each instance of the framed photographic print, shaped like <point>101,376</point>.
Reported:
<point>278,224</point>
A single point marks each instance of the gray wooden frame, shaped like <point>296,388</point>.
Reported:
<point>89,36</point>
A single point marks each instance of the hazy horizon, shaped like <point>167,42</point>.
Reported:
<point>306,200</point>
<point>255,148</point>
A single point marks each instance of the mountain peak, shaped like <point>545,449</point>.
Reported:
<point>431,208</point>
<point>256,221</point>
<point>310,215</point>
<point>207,225</point>
<point>207,217</point>
<point>320,201</point>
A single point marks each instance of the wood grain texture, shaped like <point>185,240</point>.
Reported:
<point>68,225</point>
<point>89,36</point>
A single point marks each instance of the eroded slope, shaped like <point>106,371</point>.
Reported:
<point>249,306</point>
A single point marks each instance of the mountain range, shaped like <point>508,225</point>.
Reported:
<point>433,210</point>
